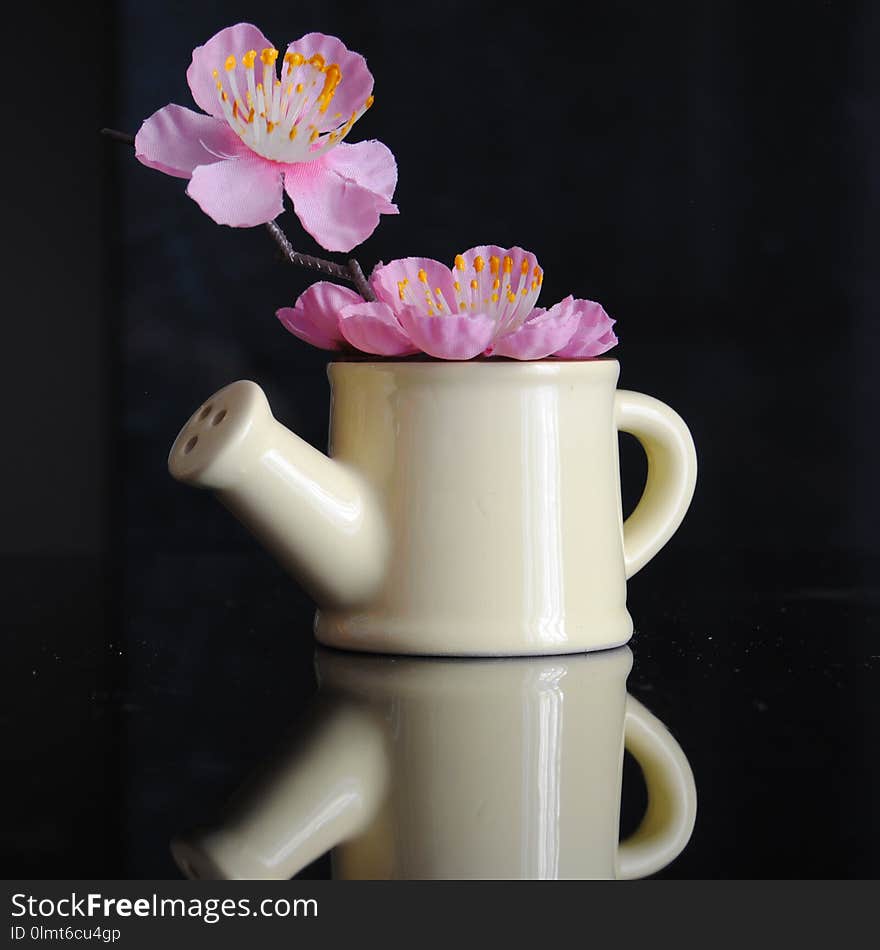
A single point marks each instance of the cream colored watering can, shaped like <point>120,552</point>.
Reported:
<point>417,768</point>
<point>467,508</point>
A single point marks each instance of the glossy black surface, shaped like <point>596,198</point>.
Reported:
<point>716,187</point>
<point>769,684</point>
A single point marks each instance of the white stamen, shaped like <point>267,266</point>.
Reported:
<point>508,314</point>
<point>288,120</point>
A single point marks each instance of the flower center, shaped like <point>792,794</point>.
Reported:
<point>501,288</point>
<point>284,119</point>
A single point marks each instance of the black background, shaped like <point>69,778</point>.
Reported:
<point>709,171</point>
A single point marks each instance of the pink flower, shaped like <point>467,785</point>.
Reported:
<point>484,304</point>
<point>266,134</point>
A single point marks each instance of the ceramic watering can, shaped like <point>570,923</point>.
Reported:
<point>467,508</point>
<point>416,768</point>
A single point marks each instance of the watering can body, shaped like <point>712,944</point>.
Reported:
<point>463,508</point>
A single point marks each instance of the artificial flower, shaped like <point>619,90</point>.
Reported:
<point>483,304</point>
<point>265,134</point>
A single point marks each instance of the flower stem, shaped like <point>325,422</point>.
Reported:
<point>351,272</point>
<point>123,137</point>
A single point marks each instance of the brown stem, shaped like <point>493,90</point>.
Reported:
<point>351,273</point>
<point>118,136</point>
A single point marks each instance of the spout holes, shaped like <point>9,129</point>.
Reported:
<point>221,415</point>
<point>190,445</point>
<point>206,412</point>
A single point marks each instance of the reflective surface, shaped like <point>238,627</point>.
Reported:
<point>119,735</point>
<point>457,769</point>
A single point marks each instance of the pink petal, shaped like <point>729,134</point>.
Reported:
<point>593,335</point>
<point>386,279</point>
<point>233,41</point>
<point>543,333</point>
<point>336,210</point>
<point>175,140</point>
<point>604,343</point>
<point>459,337</point>
<point>373,328</point>
<point>315,315</point>
<point>371,164</point>
<point>242,192</point>
<point>355,86</point>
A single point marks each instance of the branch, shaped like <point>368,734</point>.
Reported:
<point>351,272</point>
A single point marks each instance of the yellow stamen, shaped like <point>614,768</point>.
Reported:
<point>494,263</point>
<point>511,297</point>
<point>269,125</point>
<point>293,132</point>
<point>508,263</point>
<point>332,79</point>
<point>293,60</point>
<point>317,61</point>
<point>369,102</point>
<point>475,284</point>
<point>460,263</point>
<point>479,264</point>
<point>314,136</point>
<point>525,267</point>
<point>268,56</point>
<point>496,284</point>
<point>299,87</point>
<point>457,286</point>
<point>494,298</point>
<point>248,59</point>
<point>462,306</point>
<point>229,65</point>
<point>423,277</point>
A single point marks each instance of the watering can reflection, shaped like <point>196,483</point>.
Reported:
<point>464,509</point>
<point>415,768</point>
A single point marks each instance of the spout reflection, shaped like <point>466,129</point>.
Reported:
<point>414,768</point>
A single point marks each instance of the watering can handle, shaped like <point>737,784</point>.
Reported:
<point>672,796</point>
<point>672,475</point>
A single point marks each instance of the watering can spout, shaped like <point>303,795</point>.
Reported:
<point>314,514</point>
